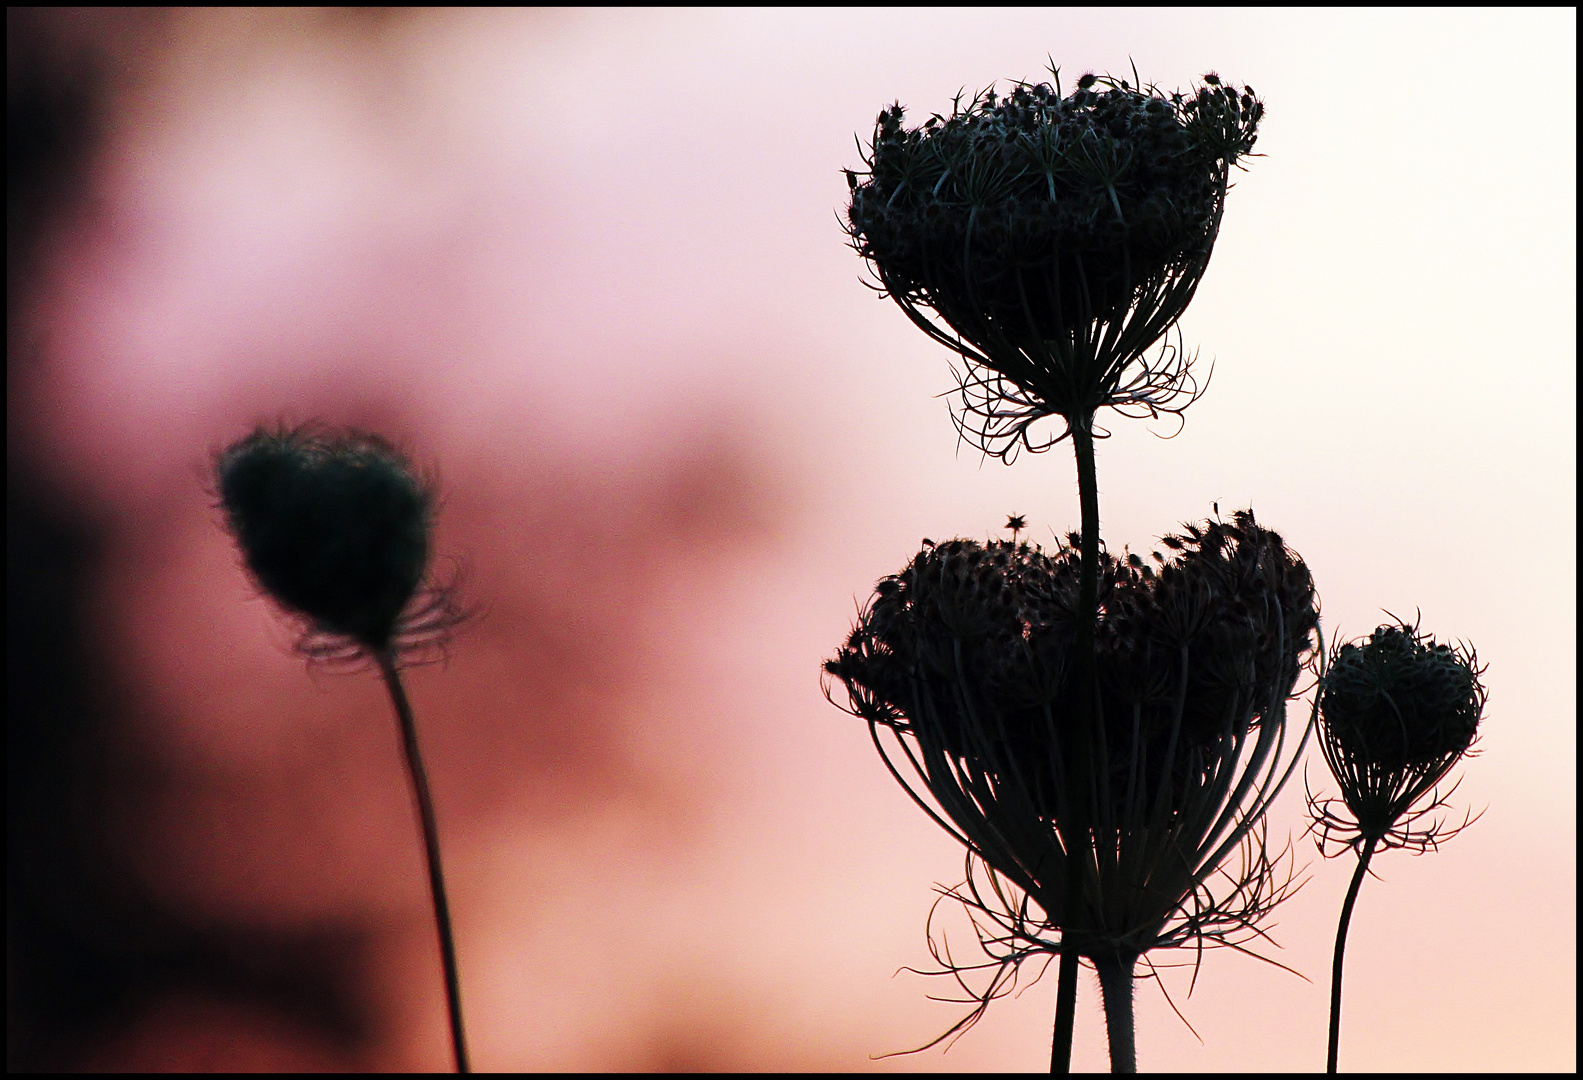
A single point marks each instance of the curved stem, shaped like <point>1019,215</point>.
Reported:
<point>1116,985</point>
<point>431,848</point>
<point>1341,945</point>
<point>1076,829</point>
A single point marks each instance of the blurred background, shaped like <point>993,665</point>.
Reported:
<point>587,266</point>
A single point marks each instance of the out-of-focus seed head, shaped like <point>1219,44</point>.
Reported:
<point>1401,700</point>
<point>333,525</point>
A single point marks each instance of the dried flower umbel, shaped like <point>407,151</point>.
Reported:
<point>967,659</point>
<point>1051,241</point>
<point>335,526</point>
<point>1397,712</point>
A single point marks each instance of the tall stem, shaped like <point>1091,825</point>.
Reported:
<point>1076,829</point>
<point>1116,986</point>
<point>431,848</point>
<point>1341,945</point>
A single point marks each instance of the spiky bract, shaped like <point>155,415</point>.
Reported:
<point>1055,238</point>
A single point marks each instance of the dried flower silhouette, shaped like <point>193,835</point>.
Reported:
<point>967,658</point>
<point>336,527</point>
<point>1051,242</point>
<point>1396,713</point>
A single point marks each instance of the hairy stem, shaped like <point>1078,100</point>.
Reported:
<point>1341,945</point>
<point>1116,986</point>
<point>1076,828</point>
<point>1065,1013</point>
<point>431,848</point>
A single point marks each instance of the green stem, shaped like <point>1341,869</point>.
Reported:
<point>431,848</point>
<point>1116,986</point>
<point>1076,829</point>
<point>1341,945</point>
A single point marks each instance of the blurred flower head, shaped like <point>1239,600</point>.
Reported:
<point>1396,713</point>
<point>1054,239</point>
<point>336,527</point>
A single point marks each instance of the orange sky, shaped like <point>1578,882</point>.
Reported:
<point>588,264</point>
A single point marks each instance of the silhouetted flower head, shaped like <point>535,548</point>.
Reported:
<point>335,526</point>
<point>1396,713</point>
<point>1400,699</point>
<point>966,657</point>
<point>980,637</point>
<point>1057,238</point>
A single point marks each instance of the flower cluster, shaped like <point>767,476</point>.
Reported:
<point>1109,184</point>
<point>1024,221</point>
<point>1400,700</point>
<point>1396,713</point>
<point>975,642</point>
<point>335,526</point>
<point>967,657</point>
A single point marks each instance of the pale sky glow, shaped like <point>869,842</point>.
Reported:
<point>588,263</point>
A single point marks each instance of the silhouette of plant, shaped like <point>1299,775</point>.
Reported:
<point>1396,713</point>
<point>967,659</point>
<point>335,527</point>
<point>1051,241</point>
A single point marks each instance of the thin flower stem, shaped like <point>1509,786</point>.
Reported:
<point>1341,944</point>
<point>1075,832</point>
<point>1116,985</point>
<point>431,847</point>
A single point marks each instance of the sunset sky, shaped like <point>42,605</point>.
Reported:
<point>587,265</point>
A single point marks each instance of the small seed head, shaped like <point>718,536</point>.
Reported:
<point>1396,713</point>
<point>1400,700</point>
<point>333,525</point>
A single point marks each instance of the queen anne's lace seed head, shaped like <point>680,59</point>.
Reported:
<point>335,526</point>
<point>1396,713</point>
<point>974,642</point>
<point>1400,700</point>
<point>966,656</point>
<point>1056,238</point>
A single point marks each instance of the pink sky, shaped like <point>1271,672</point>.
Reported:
<point>588,264</point>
